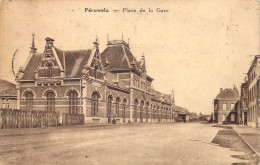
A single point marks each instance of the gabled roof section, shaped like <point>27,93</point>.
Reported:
<point>71,62</point>
<point>74,61</point>
<point>32,66</point>
<point>7,88</point>
<point>229,94</point>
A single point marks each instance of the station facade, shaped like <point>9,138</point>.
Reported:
<point>86,86</point>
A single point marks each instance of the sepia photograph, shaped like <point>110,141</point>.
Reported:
<point>130,82</point>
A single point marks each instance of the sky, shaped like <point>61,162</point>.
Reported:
<point>196,48</point>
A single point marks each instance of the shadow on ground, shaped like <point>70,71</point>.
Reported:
<point>230,139</point>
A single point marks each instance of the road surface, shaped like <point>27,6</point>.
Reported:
<point>131,144</point>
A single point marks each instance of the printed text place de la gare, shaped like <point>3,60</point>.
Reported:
<point>126,10</point>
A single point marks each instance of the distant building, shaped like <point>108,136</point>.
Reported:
<point>182,114</point>
<point>107,87</point>
<point>8,96</point>
<point>194,116</point>
<point>243,104</point>
<point>225,106</point>
<point>253,74</point>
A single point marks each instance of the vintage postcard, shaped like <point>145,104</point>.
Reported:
<point>132,82</point>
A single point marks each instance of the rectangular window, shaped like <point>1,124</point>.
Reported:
<point>233,117</point>
<point>216,107</point>
<point>232,106</point>
<point>224,107</point>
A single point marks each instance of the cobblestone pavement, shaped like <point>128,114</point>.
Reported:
<point>175,143</point>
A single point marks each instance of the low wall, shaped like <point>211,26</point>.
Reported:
<point>72,119</point>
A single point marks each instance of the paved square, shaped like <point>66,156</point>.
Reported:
<point>175,143</point>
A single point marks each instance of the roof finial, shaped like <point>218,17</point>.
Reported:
<point>33,49</point>
<point>128,41</point>
<point>122,36</point>
<point>107,37</point>
<point>96,42</point>
<point>172,95</point>
<point>33,45</point>
<point>143,57</point>
<point>96,37</point>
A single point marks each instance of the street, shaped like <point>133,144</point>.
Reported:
<point>174,143</point>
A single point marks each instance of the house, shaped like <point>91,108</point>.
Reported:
<point>8,96</point>
<point>182,114</point>
<point>87,86</point>
<point>253,75</point>
<point>225,106</point>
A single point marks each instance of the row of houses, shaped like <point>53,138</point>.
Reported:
<point>232,107</point>
<point>112,86</point>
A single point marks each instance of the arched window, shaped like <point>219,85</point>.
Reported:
<point>146,111</point>
<point>123,111</point>
<point>151,111</point>
<point>135,110</point>
<point>73,102</point>
<point>141,111</point>
<point>109,104</point>
<point>94,103</point>
<point>166,113</point>
<point>50,101</point>
<point>28,101</point>
<point>117,106</point>
<point>49,66</point>
<point>154,116</point>
<point>158,116</point>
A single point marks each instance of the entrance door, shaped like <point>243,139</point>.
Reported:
<point>245,118</point>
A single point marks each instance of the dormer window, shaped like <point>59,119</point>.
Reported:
<point>95,71</point>
<point>97,55</point>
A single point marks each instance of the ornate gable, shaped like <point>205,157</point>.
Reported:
<point>95,64</point>
<point>50,66</point>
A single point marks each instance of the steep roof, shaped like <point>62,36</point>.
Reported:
<point>118,57</point>
<point>7,88</point>
<point>32,66</point>
<point>74,61</point>
<point>230,94</point>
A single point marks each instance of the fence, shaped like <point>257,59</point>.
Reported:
<point>14,118</point>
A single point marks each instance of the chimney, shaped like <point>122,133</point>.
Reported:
<point>49,42</point>
<point>221,89</point>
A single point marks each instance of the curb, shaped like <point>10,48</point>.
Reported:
<point>252,148</point>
